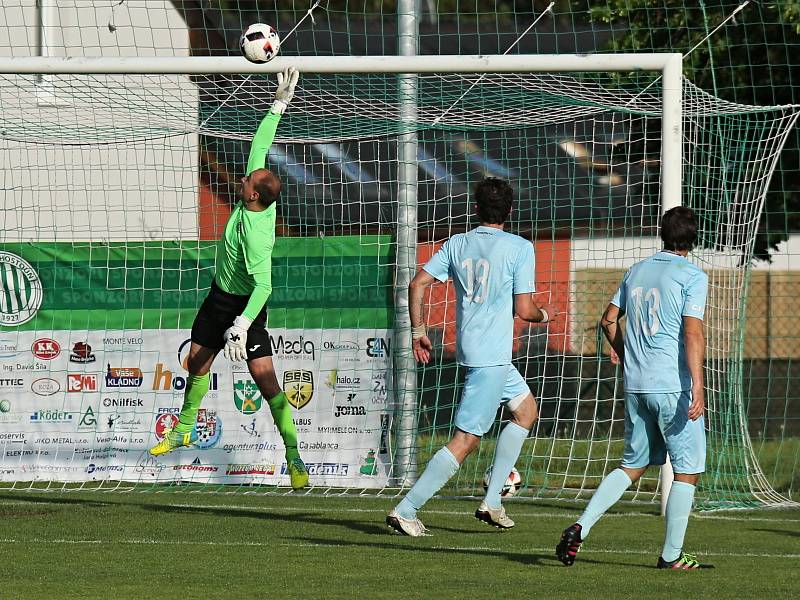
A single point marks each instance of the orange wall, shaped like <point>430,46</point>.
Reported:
<point>552,285</point>
<point>213,214</point>
<point>552,278</point>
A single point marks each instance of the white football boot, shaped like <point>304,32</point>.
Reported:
<point>412,527</point>
<point>494,516</point>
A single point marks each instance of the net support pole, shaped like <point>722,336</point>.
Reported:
<point>671,181</point>
<point>405,374</point>
<point>47,16</point>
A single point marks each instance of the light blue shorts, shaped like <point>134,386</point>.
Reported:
<point>659,423</point>
<point>485,388</point>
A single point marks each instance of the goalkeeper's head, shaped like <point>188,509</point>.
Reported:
<point>261,188</point>
<point>679,229</point>
<point>493,200</point>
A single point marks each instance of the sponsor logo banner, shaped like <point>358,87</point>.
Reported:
<point>246,395</point>
<point>298,385</point>
<point>148,465</point>
<point>379,347</point>
<point>123,402</point>
<point>341,346</point>
<point>249,447</point>
<point>326,468</point>
<point>339,381</point>
<point>118,422</point>
<point>20,290</point>
<point>165,380</point>
<point>82,353</point>
<point>197,466</point>
<point>93,469</point>
<point>52,416</point>
<point>8,348</point>
<point>45,386</point>
<point>250,428</point>
<point>123,340</point>
<point>5,414</point>
<point>37,452</point>
<point>245,469</point>
<point>293,347</point>
<point>123,377</point>
<point>55,413</point>
<point>45,349</point>
<point>369,465</point>
<point>81,382</point>
<point>49,469</point>
<point>349,411</point>
<point>317,446</point>
<point>61,441</point>
<point>167,419</point>
<point>88,419</point>
<point>209,428</point>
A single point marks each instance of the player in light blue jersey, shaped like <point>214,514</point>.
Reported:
<point>664,298</point>
<point>493,273</point>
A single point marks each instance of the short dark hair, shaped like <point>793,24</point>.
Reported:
<point>493,197</point>
<point>679,229</point>
<point>268,188</point>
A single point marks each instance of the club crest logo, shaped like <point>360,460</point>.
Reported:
<point>246,396</point>
<point>20,288</point>
<point>298,385</point>
<point>167,419</point>
<point>209,428</point>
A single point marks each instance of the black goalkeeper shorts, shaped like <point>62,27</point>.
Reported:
<point>217,313</point>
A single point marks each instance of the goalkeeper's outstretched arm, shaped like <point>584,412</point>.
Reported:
<point>265,134</point>
<point>258,250</point>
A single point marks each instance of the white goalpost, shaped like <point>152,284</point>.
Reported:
<point>378,153</point>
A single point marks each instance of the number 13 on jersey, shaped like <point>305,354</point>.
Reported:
<point>645,302</point>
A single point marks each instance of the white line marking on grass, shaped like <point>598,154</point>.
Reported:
<point>36,502</point>
<point>333,544</point>
<point>741,516</point>
<point>713,517</point>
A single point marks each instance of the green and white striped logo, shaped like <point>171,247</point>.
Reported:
<point>20,290</point>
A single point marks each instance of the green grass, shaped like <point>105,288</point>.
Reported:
<point>184,545</point>
<point>581,465</point>
<point>780,462</point>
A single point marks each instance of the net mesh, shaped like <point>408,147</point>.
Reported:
<point>583,152</point>
<point>115,188</point>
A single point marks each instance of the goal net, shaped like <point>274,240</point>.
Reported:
<point>116,187</point>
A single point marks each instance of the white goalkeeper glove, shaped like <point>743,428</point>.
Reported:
<point>236,339</point>
<point>287,81</point>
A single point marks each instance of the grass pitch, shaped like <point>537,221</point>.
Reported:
<point>185,545</point>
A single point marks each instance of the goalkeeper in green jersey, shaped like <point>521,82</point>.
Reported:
<point>233,316</point>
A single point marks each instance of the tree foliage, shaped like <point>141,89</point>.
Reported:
<point>753,59</point>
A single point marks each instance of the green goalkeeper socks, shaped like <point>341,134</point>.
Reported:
<point>196,389</point>
<point>282,415</point>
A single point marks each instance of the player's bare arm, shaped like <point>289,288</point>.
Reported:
<point>526,309</point>
<point>612,329</point>
<point>421,343</point>
<point>695,341</point>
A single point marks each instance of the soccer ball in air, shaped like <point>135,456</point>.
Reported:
<point>260,43</point>
<point>512,485</point>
